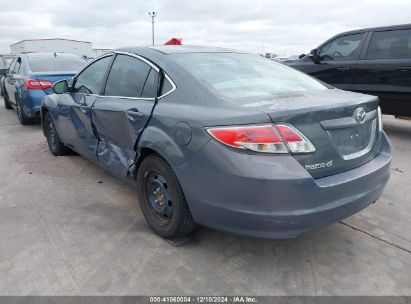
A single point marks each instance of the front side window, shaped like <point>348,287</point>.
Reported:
<point>390,45</point>
<point>236,75</point>
<point>343,48</point>
<point>127,77</point>
<point>91,79</point>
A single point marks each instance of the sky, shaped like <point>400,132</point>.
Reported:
<point>284,27</point>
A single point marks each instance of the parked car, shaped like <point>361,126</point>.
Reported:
<point>223,139</point>
<point>375,61</point>
<point>285,60</point>
<point>1,84</point>
<point>5,61</point>
<point>31,76</point>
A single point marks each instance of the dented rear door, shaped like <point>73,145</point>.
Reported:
<point>122,112</point>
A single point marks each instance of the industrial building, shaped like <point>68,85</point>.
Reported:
<point>99,52</point>
<point>81,48</point>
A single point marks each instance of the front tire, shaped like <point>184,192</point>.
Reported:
<point>56,147</point>
<point>162,200</point>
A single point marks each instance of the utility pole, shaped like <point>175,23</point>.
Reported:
<point>152,15</point>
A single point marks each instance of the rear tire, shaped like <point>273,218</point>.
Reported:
<point>23,119</point>
<point>56,147</point>
<point>7,104</point>
<point>162,200</point>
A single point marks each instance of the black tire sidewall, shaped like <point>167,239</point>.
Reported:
<point>173,228</point>
<point>7,104</point>
<point>20,114</point>
<point>54,150</point>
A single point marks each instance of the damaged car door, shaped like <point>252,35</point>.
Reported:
<point>123,109</point>
<point>75,108</point>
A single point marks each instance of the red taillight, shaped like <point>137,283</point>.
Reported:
<point>264,138</point>
<point>256,138</point>
<point>296,141</point>
<point>36,84</point>
<point>288,134</point>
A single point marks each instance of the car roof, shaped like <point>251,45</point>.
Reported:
<point>380,28</point>
<point>178,49</point>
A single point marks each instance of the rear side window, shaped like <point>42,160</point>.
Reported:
<point>127,77</point>
<point>91,79</point>
<point>56,63</point>
<point>390,45</point>
<point>343,48</point>
<point>167,87</point>
<point>150,87</point>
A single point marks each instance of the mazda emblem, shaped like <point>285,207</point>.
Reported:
<point>359,115</point>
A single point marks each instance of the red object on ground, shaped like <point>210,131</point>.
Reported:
<point>174,41</point>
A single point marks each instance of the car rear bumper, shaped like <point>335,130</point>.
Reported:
<point>274,196</point>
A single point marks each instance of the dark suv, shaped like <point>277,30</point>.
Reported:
<point>375,61</point>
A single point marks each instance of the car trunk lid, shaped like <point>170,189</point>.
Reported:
<point>53,77</point>
<point>343,126</point>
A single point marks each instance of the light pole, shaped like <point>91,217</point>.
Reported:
<point>152,15</point>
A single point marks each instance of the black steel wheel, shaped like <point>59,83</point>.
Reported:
<point>162,199</point>
<point>159,196</point>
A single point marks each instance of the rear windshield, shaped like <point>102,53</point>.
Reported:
<point>235,75</point>
<point>56,63</point>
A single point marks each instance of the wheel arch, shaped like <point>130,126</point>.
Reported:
<point>154,140</point>
<point>47,103</point>
<point>143,152</point>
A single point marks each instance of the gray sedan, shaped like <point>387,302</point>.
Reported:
<point>224,139</point>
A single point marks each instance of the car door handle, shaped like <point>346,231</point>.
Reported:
<point>134,112</point>
<point>343,69</point>
<point>404,68</point>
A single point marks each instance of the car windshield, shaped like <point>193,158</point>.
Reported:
<point>58,63</point>
<point>235,75</point>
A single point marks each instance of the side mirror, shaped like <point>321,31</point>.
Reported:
<point>314,56</point>
<point>60,87</point>
<point>301,56</point>
<point>3,72</point>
